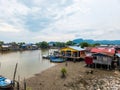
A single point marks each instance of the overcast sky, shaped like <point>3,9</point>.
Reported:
<point>59,20</point>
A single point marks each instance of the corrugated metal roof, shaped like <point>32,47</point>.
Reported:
<point>76,48</point>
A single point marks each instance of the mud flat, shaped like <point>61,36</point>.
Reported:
<point>78,77</point>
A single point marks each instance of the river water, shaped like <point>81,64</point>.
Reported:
<point>29,63</point>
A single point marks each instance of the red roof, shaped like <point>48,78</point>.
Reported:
<point>103,50</point>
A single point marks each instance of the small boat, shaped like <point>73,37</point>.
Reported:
<point>5,83</point>
<point>45,56</point>
<point>56,59</point>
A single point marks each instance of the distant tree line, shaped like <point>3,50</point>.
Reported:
<point>85,44</point>
<point>45,44</point>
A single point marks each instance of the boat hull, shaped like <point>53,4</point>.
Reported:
<point>56,59</point>
<point>5,84</point>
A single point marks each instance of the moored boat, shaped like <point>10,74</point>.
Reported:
<point>45,56</point>
<point>5,83</point>
<point>56,59</point>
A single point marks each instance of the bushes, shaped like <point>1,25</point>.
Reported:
<point>63,71</point>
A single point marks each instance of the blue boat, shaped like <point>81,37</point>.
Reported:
<point>5,83</point>
<point>56,59</point>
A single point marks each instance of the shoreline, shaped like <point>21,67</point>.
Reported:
<point>76,77</point>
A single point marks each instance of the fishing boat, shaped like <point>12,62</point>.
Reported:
<point>56,59</point>
<point>5,83</point>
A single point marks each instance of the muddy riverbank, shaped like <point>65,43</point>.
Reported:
<point>78,77</point>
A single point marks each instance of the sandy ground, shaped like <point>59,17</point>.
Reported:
<point>78,77</point>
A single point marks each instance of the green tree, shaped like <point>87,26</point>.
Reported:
<point>96,44</point>
<point>13,43</point>
<point>84,44</point>
<point>44,45</point>
<point>1,42</point>
<point>70,43</point>
<point>60,44</point>
<point>20,44</point>
<point>38,44</point>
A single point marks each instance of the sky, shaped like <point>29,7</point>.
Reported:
<point>59,20</point>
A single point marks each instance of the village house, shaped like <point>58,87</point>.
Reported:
<point>103,59</point>
<point>117,48</point>
<point>14,46</point>
<point>5,47</point>
<point>103,56</point>
<point>29,46</point>
<point>73,52</point>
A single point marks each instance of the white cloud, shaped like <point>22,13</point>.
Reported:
<point>4,27</point>
<point>54,37</point>
<point>11,8</point>
<point>12,14</point>
<point>61,20</point>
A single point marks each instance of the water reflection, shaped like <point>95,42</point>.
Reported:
<point>29,63</point>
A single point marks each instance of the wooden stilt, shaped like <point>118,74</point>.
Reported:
<point>100,66</point>
<point>119,64</point>
<point>95,65</point>
<point>74,60</point>
<point>108,67</point>
<point>24,84</point>
<point>66,62</point>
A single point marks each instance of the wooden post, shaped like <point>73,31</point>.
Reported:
<point>108,67</point>
<point>66,63</point>
<point>95,65</point>
<point>15,74</point>
<point>74,60</point>
<point>65,53</point>
<point>100,66</point>
<point>101,61</point>
<point>24,84</point>
<point>107,64</point>
<point>18,84</point>
<point>78,54</point>
<point>119,63</point>
<point>71,54</point>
